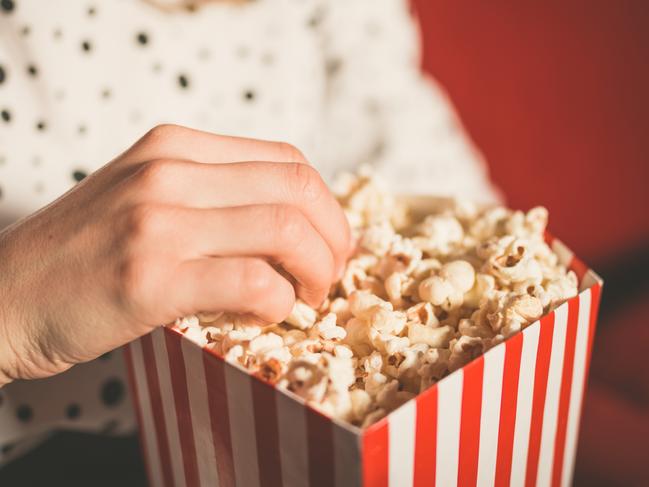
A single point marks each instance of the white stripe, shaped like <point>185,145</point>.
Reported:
<point>524,403</point>
<point>553,392</point>
<point>242,426</point>
<point>293,448</point>
<point>347,457</point>
<point>590,279</point>
<point>577,387</point>
<point>449,414</point>
<point>168,406</point>
<point>401,445</point>
<point>492,385</point>
<point>146,414</point>
<point>200,413</point>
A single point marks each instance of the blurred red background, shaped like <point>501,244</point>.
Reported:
<point>556,95</point>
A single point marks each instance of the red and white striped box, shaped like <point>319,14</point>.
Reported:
<point>510,417</point>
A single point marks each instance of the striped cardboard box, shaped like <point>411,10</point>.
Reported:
<point>510,417</point>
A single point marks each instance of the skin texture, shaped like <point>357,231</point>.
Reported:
<point>183,221</point>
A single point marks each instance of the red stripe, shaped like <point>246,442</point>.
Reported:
<point>564,394</point>
<point>426,438</point>
<point>470,423</point>
<point>219,418</point>
<point>156,407</point>
<point>375,455</point>
<point>128,357</point>
<point>538,397</point>
<point>320,449</point>
<point>267,434</point>
<point>181,398</point>
<point>508,401</point>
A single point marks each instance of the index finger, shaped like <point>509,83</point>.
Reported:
<point>183,143</point>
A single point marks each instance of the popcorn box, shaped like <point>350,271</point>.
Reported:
<point>509,417</point>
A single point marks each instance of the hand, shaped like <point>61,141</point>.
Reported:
<point>182,222</point>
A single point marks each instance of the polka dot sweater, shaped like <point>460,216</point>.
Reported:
<point>81,80</point>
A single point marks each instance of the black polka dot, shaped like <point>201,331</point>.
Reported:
<point>57,34</point>
<point>333,66</point>
<point>73,411</point>
<point>86,46</point>
<point>41,126</point>
<point>25,31</point>
<point>79,175</point>
<point>249,95</point>
<point>32,70</point>
<point>106,93</point>
<point>6,449</point>
<point>24,413</point>
<point>82,129</point>
<point>5,115</point>
<point>112,392</point>
<point>3,75</point>
<point>316,19</point>
<point>7,5</point>
<point>183,81</point>
<point>142,38</point>
<point>157,67</point>
<point>92,11</point>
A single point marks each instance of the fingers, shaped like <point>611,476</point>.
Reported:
<point>196,185</point>
<point>279,232</point>
<point>241,285</point>
<point>176,142</point>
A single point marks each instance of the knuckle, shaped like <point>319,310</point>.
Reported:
<point>307,185</point>
<point>154,176</point>
<point>145,221</point>
<point>288,224</point>
<point>290,153</point>
<point>163,132</point>
<point>257,279</point>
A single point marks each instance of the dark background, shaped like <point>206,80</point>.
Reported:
<point>556,96</point>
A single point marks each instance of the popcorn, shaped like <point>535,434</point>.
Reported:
<point>421,297</point>
<point>433,337</point>
<point>302,316</point>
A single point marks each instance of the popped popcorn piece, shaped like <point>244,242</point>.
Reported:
<point>208,317</point>
<point>302,316</point>
<point>422,313</point>
<point>362,304</point>
<point>433,337</point>
<point>327,329</point>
